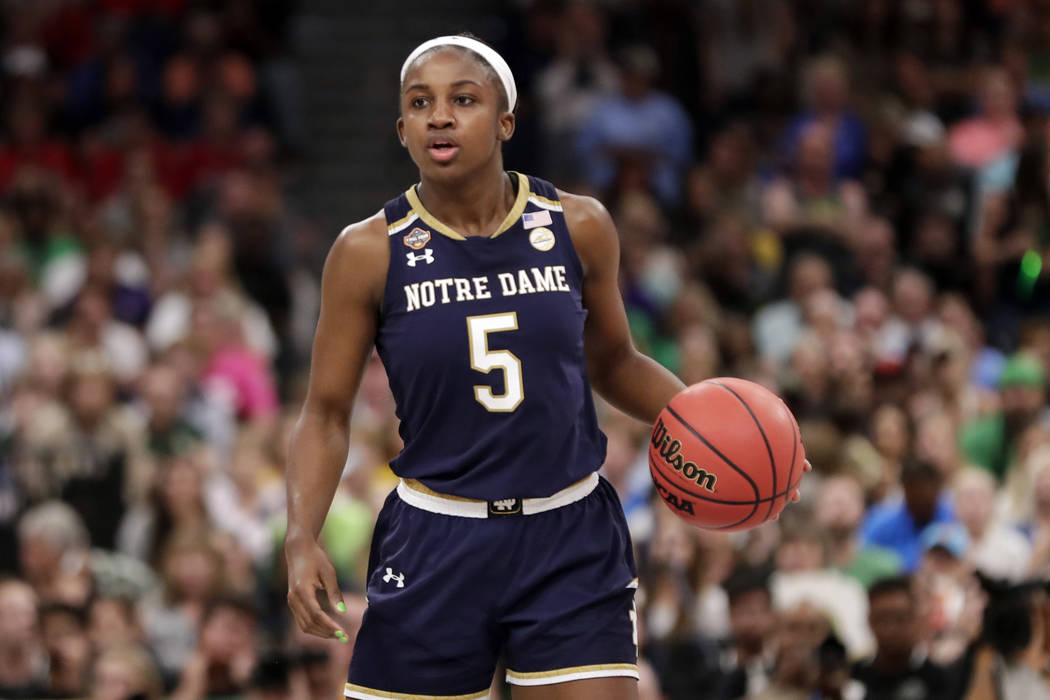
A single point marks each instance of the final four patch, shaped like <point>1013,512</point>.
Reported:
<point>542,239</point>
<point>417,238</point>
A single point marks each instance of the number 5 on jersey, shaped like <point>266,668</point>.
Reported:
<point>484,360</point>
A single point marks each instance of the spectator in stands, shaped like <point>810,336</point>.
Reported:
<point>641,134</point>
<point>747,42</point>
<point>993,134</point>
<point>992,441</point>
<point>245,501</point>
<point>54,554</point>
<point>579,76</point>
<point>935,442</point>
<point>809,201</point>
<point>225,656</point>
<point>53,251</point>
<point>64,634</point>
<point>726,182</point>
<point>827,97</point>
<point>29,144</point>
<point>122,277</point>
<point>229,366</point>
<point>113,622</point>
<point>875,249</point>
<point>171,616</point>
<point>23,663</point>
<point>1011,664</point>
<point>839,511</point>
<point>800,632</point>
<point>210,276</point>
<point>996,550</point>
<point>125,672</point>
<point>168,431</point>
<point>92,328</point>
<point>802,577</point>
<point>748,656</point>
<point>896,666</point>
<point>100,465</point>
<point>51,537</point>
<point>912,321</point>
<point>177,504</point>
<point>898,524</point>
<point>778,326</point>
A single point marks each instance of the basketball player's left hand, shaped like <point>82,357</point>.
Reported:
<point>795,496</point>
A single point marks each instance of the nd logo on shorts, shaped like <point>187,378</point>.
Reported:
<point>505,506</point>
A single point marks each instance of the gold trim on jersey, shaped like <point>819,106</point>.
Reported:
<point>373,693</point>
<point>423,488</point>
<point>402,223</point>
<point>516,210</point>
<point>417,485</point>
<point>558,673</point>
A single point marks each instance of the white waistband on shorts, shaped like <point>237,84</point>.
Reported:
<point>418,495</point>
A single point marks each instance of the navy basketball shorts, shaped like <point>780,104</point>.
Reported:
<point>550,594</point>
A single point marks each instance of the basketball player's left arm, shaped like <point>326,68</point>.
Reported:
<point>630,381</point>
<point>634,383</point>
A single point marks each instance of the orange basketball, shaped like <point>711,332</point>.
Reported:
<point>725,454</point>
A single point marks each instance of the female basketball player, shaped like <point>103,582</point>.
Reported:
<point>492,299</point>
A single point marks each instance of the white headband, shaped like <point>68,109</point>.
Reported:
<point>487,54</point>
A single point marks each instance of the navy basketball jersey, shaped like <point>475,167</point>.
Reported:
<point>482,340</point>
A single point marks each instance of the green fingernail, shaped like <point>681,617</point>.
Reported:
<point>344,639</point>
<point>340,606</point>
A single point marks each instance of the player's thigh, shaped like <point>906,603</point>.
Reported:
<point>589,689</point>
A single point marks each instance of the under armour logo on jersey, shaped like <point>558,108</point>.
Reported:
<point>391,576</point>
<point>428,256</point>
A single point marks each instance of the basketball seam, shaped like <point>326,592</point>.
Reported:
<point>673,482</point>
<point>738,470</point>
<point>762,432</point>
<point>796,438</point>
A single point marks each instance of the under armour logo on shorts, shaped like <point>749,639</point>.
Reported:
<point>391,576</point>
<point>428,256</point>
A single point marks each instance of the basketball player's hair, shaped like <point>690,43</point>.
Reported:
<point>490,72</point>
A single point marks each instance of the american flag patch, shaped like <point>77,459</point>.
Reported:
<point>532,219</point>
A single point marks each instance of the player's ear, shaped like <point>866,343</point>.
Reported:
<point>401,132</point>
<point>506,126</point>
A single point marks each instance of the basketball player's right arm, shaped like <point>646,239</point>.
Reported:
<point>351,291</point>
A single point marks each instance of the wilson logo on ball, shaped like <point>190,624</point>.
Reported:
<point>671,451</point>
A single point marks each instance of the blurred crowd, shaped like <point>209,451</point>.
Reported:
<point>847,202</point>
<point>850,204</point>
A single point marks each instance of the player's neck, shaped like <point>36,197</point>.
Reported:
<point>474,206</point>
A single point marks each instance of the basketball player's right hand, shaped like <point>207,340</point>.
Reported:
<point>310,570</point>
